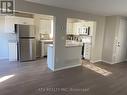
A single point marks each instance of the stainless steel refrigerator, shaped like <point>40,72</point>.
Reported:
<point>26,42</point>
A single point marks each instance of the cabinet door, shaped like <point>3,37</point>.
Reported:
<point>70,28</point>
<point>45,26</point>
<point>45,49</point>
<point>121,42</point>
<point>12,51</point>
<point>42,50</point>
<point>24,21</point>
<point>87,51</point>
<point>75,29</point>
<point>38,49</point>
<point>9,24</point>
<point>27,21</point>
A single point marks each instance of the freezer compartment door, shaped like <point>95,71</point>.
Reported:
<point>25,30</point>
<point>27,49</point>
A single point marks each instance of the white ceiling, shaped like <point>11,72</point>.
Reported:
<point>99,7</point>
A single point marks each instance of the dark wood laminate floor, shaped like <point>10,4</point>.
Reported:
<point>32,78</point>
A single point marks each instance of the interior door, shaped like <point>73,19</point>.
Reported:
<point>121,42</point>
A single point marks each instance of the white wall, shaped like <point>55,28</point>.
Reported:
<point>98,39</point>
<point>38,46</point>
<point>3,40</point>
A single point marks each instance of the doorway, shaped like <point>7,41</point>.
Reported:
<point>45,28</point>
<point>83,32</point>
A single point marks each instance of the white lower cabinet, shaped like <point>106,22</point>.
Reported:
<point>12,51</point>
<point>87,51</point>
<point>44,47</point>
<point>42,50</point>
<point>50,58</point>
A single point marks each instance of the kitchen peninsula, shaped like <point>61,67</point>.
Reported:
<point>72,58</point>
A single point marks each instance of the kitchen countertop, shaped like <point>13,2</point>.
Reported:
<point>51,45</point>
<point>46,40</point>
<point>70,44</point>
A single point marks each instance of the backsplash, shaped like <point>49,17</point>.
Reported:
<point>80,38</point>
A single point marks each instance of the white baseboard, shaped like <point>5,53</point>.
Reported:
<point>121,61</point>
<point>113,62</point>
<point>107,62</point>
<point>101,61</point>
<point>95,61</point>
<point>67,67</point>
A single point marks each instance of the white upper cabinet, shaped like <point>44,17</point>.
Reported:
<point>70,28</point>
<point>45,26</point>
<point>10,21</point>
<point>9,24</point>
<point>24,21</point>
<point>75,28</point>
